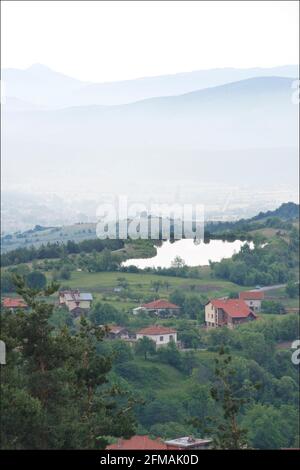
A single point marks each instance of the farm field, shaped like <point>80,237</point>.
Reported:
<point>141,286</point>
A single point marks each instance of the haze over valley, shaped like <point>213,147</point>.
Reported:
<point>204,137</point>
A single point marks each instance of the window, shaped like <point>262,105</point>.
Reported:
<point>161,338</point>
<point>171,337</point>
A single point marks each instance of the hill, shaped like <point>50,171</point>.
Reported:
<point>287,211</point>
<point>39,235</point>
<point>250,125</point>
<point>42,86</point>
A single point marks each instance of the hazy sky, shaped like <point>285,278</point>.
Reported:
<point>103,41</point>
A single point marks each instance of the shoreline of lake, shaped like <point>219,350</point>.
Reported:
<point>193,254</point>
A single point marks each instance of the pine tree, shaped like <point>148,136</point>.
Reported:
<point>232,396</point>
<point>222,425</point>
<point>55,384</point>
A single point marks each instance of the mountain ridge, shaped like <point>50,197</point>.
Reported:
<point>70,91</point>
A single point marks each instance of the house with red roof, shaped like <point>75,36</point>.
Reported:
<point>227,312</point>
<point>161,335</point>
<point>145,443</point>
<point>253,299</point>
<point>13,303</point>
<point>159,308</point>
<point>138,443</point>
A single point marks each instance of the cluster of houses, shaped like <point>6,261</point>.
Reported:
<point>160,335</point>
<point>218,312</point>
<point>233,312</point>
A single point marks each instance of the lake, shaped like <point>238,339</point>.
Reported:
<point>192,254</point>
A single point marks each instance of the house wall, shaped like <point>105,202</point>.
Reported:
<point>255,305</point>
<point>160,340</point>
<point>86,304</point>
<point>162,311</point>
<point>210,315</point>
<point>138,310</point>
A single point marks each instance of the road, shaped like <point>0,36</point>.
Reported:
<point>275,286</point>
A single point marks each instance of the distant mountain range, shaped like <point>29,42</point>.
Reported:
<point>86,231</point>
<point>243,131</point>
<point>42,86</point>
<point>216,132</point>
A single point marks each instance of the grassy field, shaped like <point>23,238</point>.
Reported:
<point>156,377</point>
<point>281,296</point>
<point>140,286</point>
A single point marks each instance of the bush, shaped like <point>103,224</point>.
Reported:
<point>36,280</point>
<point>272,306</point>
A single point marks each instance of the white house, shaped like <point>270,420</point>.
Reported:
<point>161,335</point>
<point>253,299</point>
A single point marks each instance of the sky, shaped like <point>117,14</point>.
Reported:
<point>108,41</point>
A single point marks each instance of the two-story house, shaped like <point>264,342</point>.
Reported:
<point>227,312</point>
<point>77,302</point>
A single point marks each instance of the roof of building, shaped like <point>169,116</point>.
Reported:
<point>138,442</point>
<point>252,295</point>
<point>116,329</point>
<point>187,441</point>
<point>8,302</point>
<point>235,308</point>
<point>156,330</point>
<point>160,304</point>
<point>77,296</point>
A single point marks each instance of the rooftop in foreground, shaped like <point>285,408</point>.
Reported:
<point>188,442</point>
<point>138,443</point>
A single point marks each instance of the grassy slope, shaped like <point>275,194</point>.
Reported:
<point>102,285</point>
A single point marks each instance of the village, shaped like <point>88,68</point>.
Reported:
<point>219,312</point>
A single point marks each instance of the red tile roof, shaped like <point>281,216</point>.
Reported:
<point>160,304</point>
<point>8,302</point>
<point>252,295</point>
<point>156,330</point>
<point>235,308</point>
<point>137,443</point>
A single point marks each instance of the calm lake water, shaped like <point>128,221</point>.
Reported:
<point>193,255</point>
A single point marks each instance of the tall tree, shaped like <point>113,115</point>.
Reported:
<point>59,381</point>
<point>231,395</point>
<point>145,346</point>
